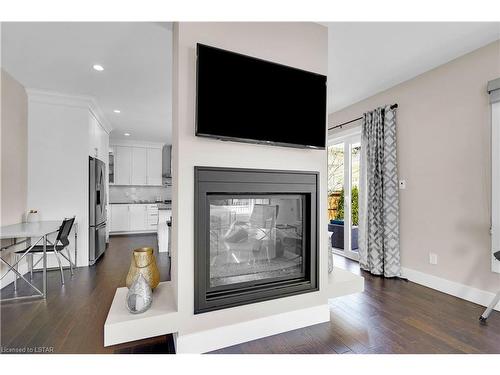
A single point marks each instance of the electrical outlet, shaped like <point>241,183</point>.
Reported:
<point>402,184</point>
<point>433,258</point>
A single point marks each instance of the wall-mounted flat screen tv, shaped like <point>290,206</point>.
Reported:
<point>242,98</point>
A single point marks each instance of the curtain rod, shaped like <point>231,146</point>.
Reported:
<point>394,106</point>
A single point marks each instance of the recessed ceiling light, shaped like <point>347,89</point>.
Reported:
<point>98,67</point>
<point>126,134</point>
<point>116,111</point>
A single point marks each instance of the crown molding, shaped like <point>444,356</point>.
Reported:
<point>67,100</point>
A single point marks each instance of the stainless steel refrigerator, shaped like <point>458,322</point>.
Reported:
<point>97,209</point>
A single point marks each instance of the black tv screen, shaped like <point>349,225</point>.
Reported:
<point>247,99</point>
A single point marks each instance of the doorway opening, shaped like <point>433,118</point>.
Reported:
<point>344,156</point>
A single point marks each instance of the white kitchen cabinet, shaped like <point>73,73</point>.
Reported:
<point>163,232</point>
<point>138,217</point>
<point>123,165</point>
<point>120,218</point>
<point>133,218</point>
<point>154,166</point>
<point>139,165</point>
<point>98,139</point>
<point>103,145</point>
<point>93,129</point>
<point>152,217</point>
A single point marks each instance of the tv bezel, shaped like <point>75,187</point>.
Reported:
<point>252,140</point>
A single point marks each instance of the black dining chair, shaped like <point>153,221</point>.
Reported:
<point>61,243</point>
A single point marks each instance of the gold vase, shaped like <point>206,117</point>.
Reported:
<point>144,262</point>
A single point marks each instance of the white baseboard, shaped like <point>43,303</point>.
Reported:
<point>222,337</point>
<point>468,293</point>
<point>145,231</point>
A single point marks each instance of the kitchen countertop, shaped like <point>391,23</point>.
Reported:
<point>167,203</point>
<point>164,206</point>
<point>34,229</point>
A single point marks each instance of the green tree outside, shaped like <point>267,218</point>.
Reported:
<point>354,205</point>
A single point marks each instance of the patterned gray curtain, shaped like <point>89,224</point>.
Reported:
<point>378,199</point>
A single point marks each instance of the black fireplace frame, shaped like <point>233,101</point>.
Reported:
<point>218,181</point>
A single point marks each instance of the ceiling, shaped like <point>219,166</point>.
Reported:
<point>137,61</point>
<point>364,59</point>
<point>368,57</point>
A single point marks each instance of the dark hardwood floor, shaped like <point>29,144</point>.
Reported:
<point>391,316</point>
<point>72,318</point>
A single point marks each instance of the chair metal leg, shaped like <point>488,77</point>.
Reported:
<point>490,308</point>
<point>70,261</point>
<point>15,275</point>
<point>60,266</point>
<point>30,265</point>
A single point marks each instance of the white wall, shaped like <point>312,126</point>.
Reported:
<point>14,149</point>
<point>14,159</point>
<point>58,140</point>
<point>302,45</point>
<point>444,154</point>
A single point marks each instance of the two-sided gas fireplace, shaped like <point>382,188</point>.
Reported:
<point>256,235</point>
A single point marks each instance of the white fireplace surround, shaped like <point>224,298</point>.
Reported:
<point>301,45</point>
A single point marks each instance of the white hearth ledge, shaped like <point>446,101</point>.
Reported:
<point>342,283</point>
<point>219,331</point>
<point>161,319</point>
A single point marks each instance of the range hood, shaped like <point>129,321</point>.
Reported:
<point>166,165</point>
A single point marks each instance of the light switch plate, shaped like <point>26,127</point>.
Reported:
<point>433,258</point>
<point>402,184</point>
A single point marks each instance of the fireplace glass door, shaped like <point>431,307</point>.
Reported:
<point>256,236</point>
<point>255,239</point>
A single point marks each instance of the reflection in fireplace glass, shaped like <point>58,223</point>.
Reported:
<point>253,239</point>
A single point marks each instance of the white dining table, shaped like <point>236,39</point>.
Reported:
<point>26,231</point>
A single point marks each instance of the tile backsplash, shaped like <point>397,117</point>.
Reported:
<point>121,194</point>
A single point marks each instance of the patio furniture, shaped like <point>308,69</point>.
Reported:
<point>336,227</point>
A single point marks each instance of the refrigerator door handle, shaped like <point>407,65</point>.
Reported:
<point>99,226</point>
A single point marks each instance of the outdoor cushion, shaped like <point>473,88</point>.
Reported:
<point>337,222</point>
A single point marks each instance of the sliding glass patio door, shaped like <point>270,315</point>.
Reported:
<point>343,191</point>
